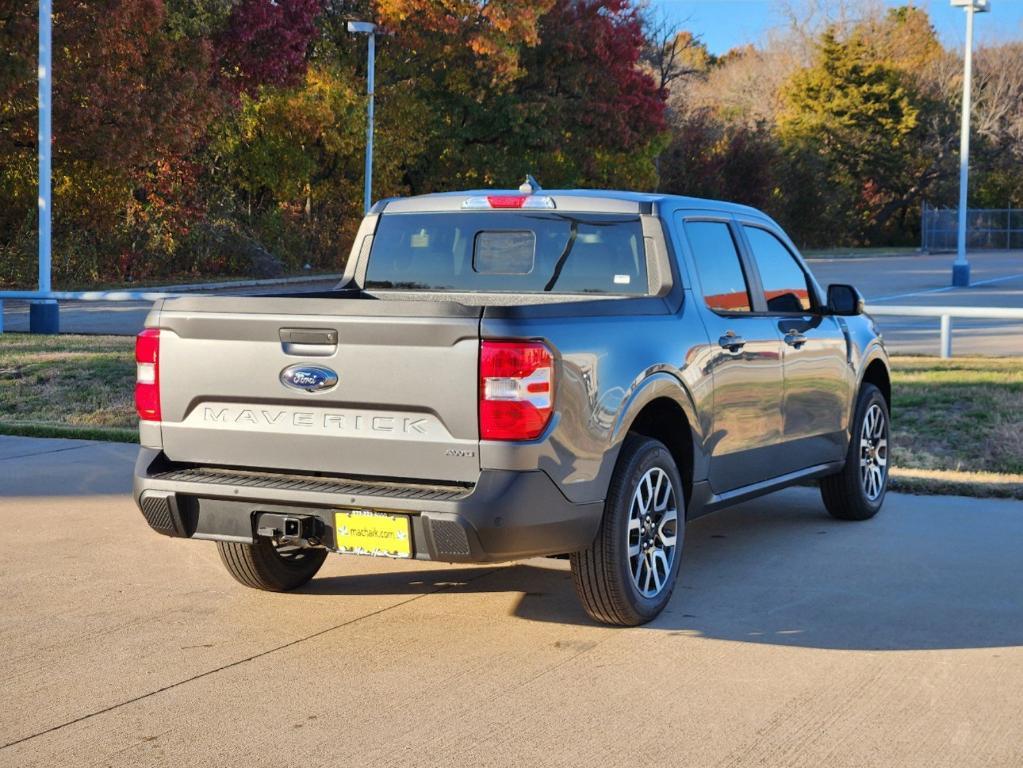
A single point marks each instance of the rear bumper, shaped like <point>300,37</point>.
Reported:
<point>504,516</point>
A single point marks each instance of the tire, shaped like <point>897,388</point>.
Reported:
<point>613,576</point>
<point>262,566</point>
<point>858,491</point>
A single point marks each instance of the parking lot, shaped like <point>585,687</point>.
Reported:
<point>792,640</point>
<point>924,280</point>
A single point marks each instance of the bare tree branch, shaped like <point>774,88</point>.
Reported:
<point>671,52</point>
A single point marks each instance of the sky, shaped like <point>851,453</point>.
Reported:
<point>724,24</point>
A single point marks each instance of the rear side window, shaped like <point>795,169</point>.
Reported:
<point>501,251</point>
<point>786,288</point>
<point>717,262</point>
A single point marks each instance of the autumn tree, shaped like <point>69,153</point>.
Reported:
<point>209,136</point>
<point>708,157</point>
<point>126,97</point>
<point>998,122</point>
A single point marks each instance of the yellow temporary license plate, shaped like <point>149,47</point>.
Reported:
<point>373,533</point>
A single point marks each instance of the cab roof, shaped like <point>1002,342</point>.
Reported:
<point>577,200</point>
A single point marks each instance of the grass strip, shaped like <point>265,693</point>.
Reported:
<point>30,429</point>
<point>938,482</point>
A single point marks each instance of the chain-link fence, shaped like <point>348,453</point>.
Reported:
<point>986,228</point>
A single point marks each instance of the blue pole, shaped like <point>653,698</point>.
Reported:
<point>367,194</point>
<point>45,140</point>
<point>44,316</point>
<point>961,266</point>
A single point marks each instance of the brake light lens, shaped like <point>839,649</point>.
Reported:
<point>528,202</point>
<point>516,389</point>
<point>506,201</point>
<point>147,374</point>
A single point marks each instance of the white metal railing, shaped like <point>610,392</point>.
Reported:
<point>945,315</point>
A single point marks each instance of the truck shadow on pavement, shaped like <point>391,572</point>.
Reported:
<point>924,574</point>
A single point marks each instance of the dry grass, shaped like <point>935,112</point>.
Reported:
<point>943,481</point>
<point>963,414</point>
<point>67,386</point>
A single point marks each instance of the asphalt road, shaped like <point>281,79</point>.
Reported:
<point>792,640</point>
<point>914,279</point>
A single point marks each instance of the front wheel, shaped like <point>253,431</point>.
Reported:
<point>626,576</point>
<point>858,491</point>
<point>263,565</point>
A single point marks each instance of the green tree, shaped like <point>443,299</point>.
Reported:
<point>859,119</point>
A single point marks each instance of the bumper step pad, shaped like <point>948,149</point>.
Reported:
<point>287,482</point>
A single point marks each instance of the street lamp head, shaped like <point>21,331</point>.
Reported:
<point>978,6</point>
<point>362,27</point>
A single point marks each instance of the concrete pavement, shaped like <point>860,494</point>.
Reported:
<point>792,640</point>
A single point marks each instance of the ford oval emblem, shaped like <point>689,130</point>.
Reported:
<point>308,378</point>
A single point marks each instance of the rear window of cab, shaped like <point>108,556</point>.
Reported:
<point>514,252</point>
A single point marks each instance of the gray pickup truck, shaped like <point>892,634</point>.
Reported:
<point>502,375</point>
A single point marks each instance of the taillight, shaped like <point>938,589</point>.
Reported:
<point>147,374</point>
<point>516,389</point>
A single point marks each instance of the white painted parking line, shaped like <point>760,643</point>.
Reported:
<point>943,289</point>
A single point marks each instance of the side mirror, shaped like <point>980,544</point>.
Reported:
<point>844,300</point>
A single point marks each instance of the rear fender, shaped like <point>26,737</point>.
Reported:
<point>657,386</point>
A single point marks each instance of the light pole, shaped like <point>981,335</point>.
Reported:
<point>44,316</point>
<point>369,29</point>
<point>961,266</point>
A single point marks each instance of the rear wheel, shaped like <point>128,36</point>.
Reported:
<point>858,491</point>
<point>626,576</point>
<point>262,565</point>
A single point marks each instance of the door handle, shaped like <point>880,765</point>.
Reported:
<point>309,342</point>
<point>731,342</point>
<point>795,339</point>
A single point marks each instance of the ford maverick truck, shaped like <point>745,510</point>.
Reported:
<point>512,374</point>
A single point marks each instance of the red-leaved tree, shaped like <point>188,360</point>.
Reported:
<point>592,112</point>
<point>266,42</point>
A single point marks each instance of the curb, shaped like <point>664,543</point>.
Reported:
<point>862,257</point>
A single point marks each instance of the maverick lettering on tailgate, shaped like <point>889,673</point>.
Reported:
<point>324,420</point>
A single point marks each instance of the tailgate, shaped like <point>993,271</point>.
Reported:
<point>404,405</point>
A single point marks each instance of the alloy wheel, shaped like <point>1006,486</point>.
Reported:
<point>653,532</point>
<point>873,452</point>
